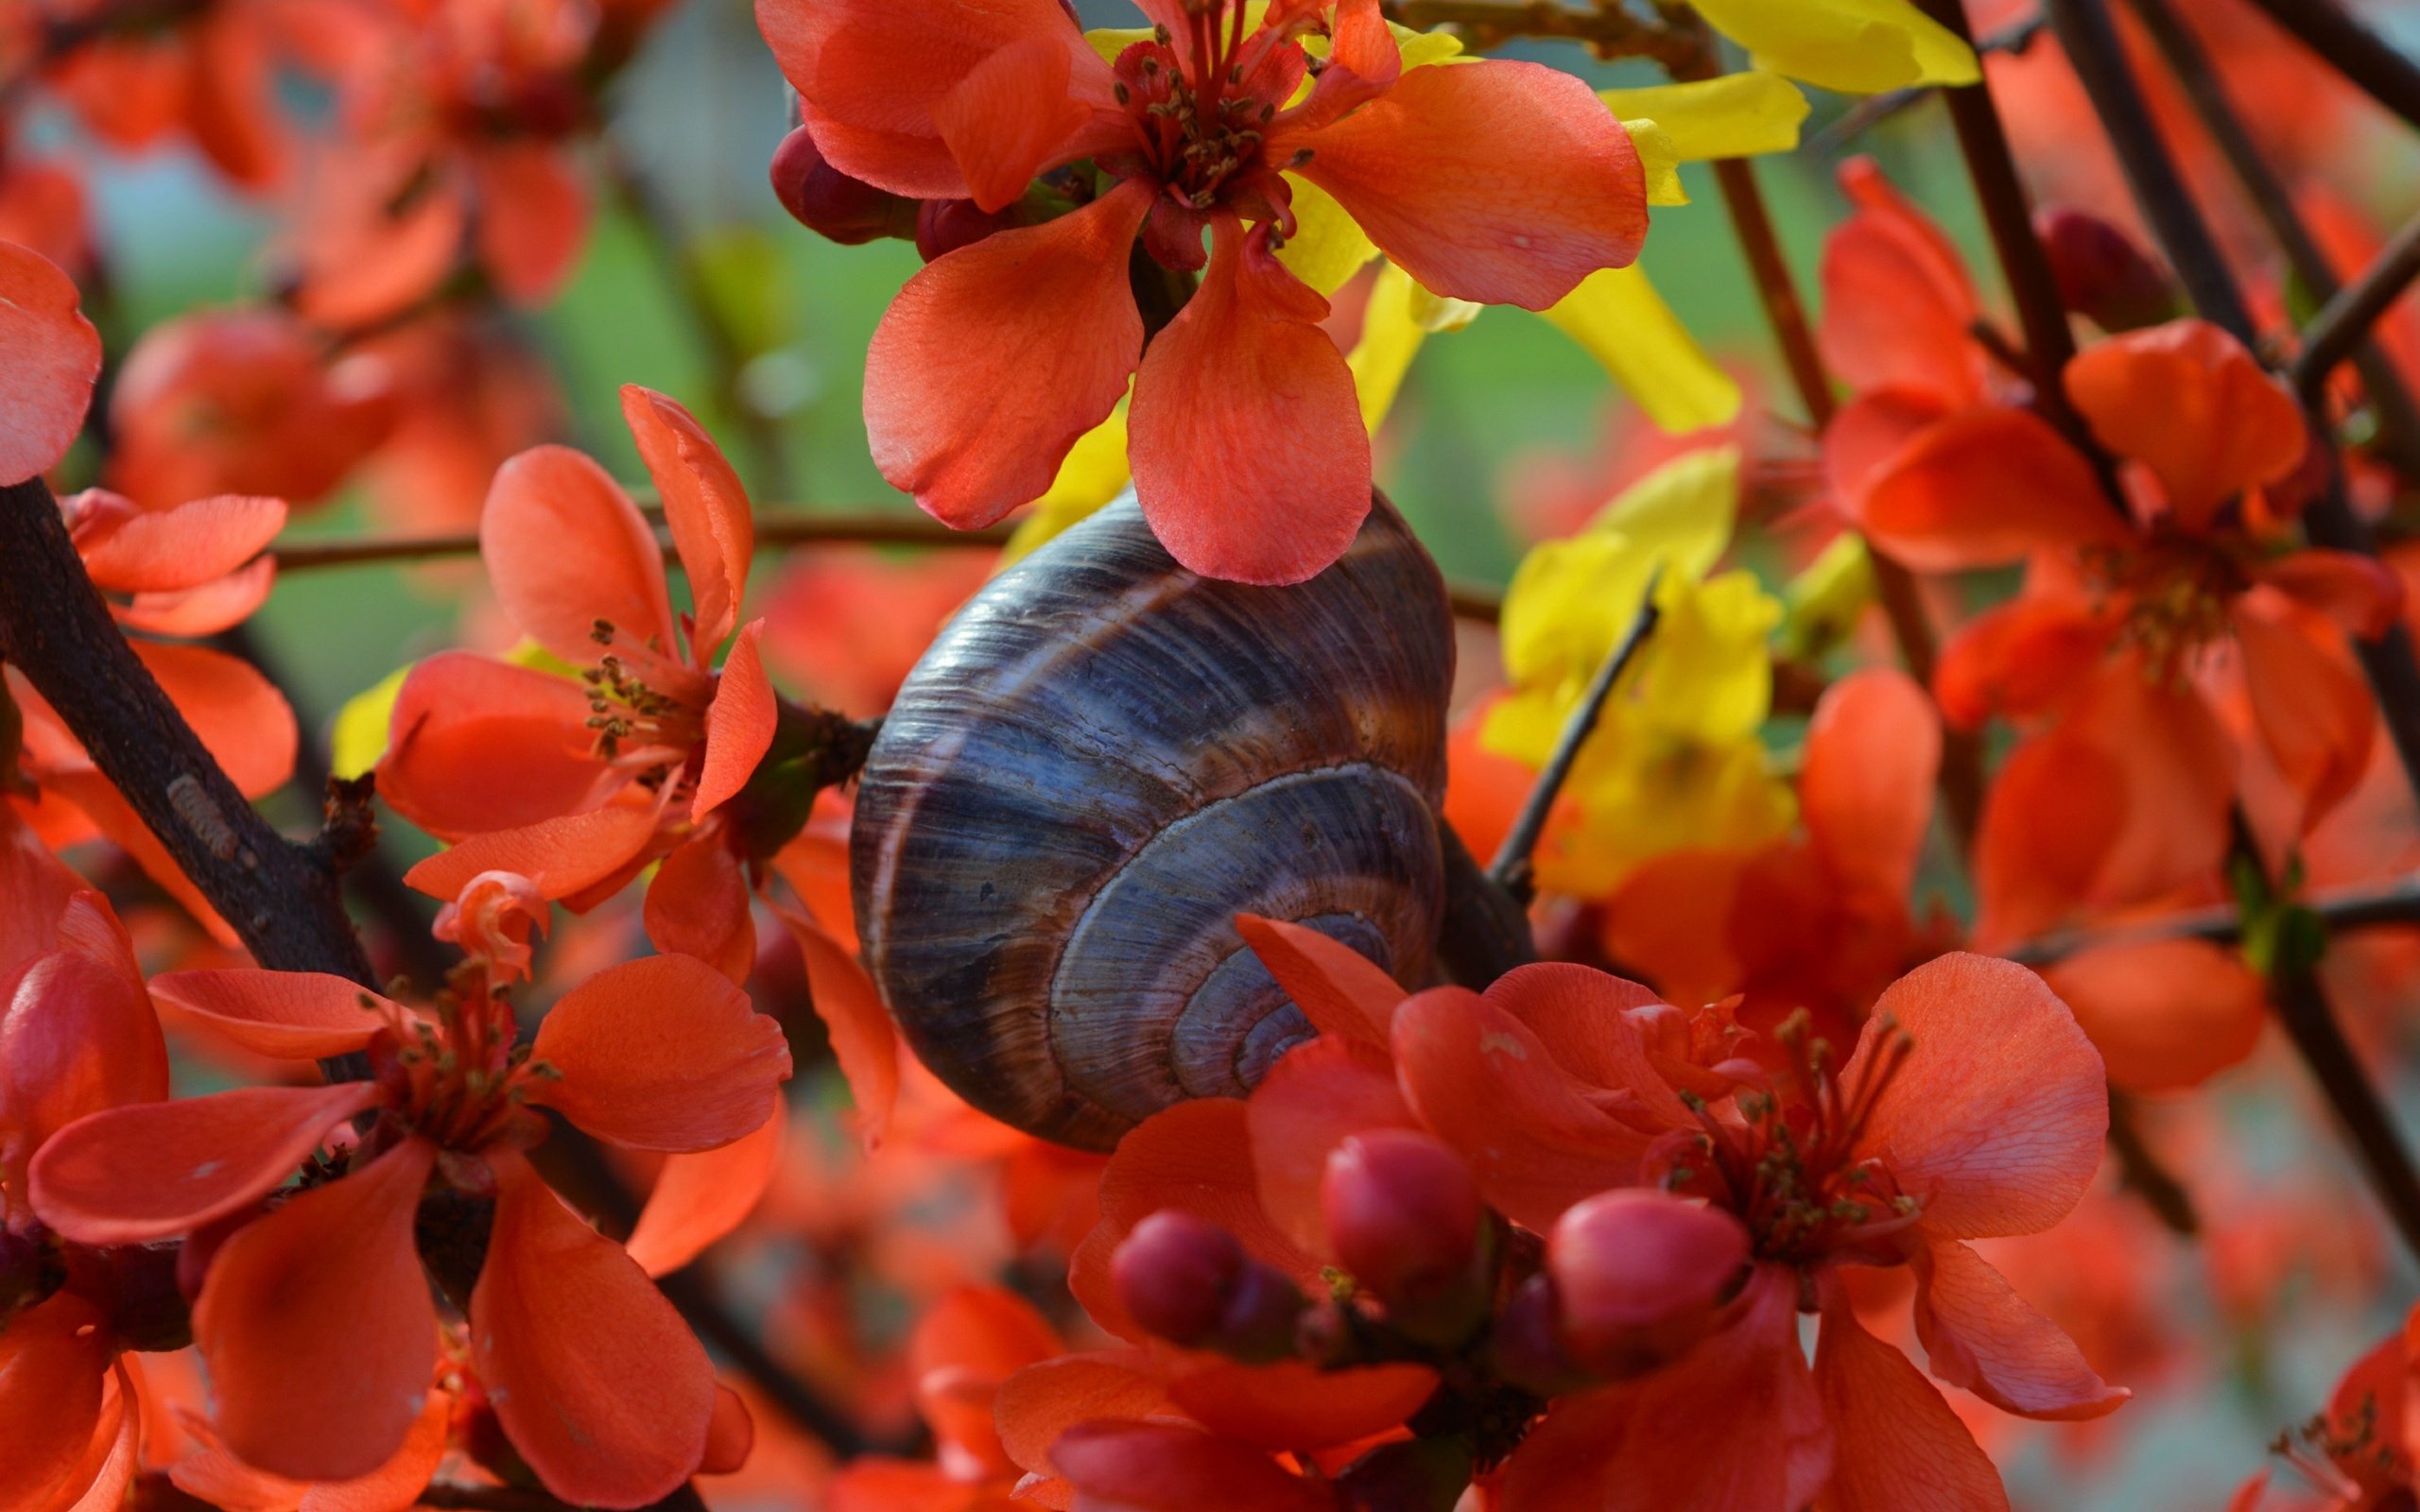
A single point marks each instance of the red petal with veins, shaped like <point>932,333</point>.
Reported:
<point>1008,117</point>
<point>1995,1123</point>
<point>293,1015</point>
<point>1866,783</point>
<point>150,1171</point>
<point>597,1381</point>
<point>698,905</point>
<point>1502,182</point>
<point>863,1040</point>
<point>475,743</point>
<point>996,357</point>
<point>165,550</point>
<point>704,505</point>
<point>700,1196</point>
<point>662,1052</point>
<point>1250,457</point>
<point>740,723</point>
<point>1979,1334</point>
<point>560,857</point>
<point>53,356</point>
<point>1897,1447</point>
<point>1343,992</point>
<point>316,1326</point>
<point>567,549</point>
<point>1733,1426</point>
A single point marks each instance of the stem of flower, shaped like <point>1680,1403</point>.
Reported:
<point>1512,869</point>
<point>2342,328</point>
<point>1607,30</point>
<point>2394,903</point>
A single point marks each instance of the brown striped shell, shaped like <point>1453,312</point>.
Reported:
<point>1101,762</point>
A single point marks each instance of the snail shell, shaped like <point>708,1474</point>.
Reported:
<point>1101,762</point>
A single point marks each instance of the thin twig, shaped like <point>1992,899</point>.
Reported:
<point>2349,46</point>
<point>2342,325</point>
<point>779,527</point>
<point>2273,199</point>
<point>2371,907</point>
<point>2140,1171</point>
<point>1511,869</point>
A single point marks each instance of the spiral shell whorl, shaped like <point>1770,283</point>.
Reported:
<point>1101,762</point>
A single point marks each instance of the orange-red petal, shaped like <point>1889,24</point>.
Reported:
<point>53,356</point>
<point>293,1015</point>
<point>1041,1402</point>
<point>698,905</point>
<point>2166,1015</point>
<point>1483,1083</point>
<point>704,505</point>
<point>149,1171</point>
<point>1897,1445</point>
<point>1866,783</point>
<point>739,724</point>
<point>162,551</point>
<point>2186,399</point>
<point>1897,302</point>
<point>567,550</point>
<point>1977,1333</point>
<point>76,1037</point>
<point>1345,993</point>
<point>559,856</point>
<point>244,722</point>
<point>998,356</point>
<point>1498,181</point>
<point>54,1359</point>
<point>533,215</point>
<point>1315,1097</point>
<point>1982,489</point>
<point>213,607</point>
<point>2310,702</point>
<point>1293,1404</point>
<point>2021,658</point>
<point>2362,594</point>
<point>1995,1122</point>
<point>1166,1466</point>
<point>662,1052</point>
<point>1010,116</point>
<point>863,1040</point>
<point>1250,457</point>
<point>700,1196</point>
<point>316,1325</point>
<point>475,743</point>
<point>597,1381</point>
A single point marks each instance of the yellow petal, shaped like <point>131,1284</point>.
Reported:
<point>1659,159</point>
<point>1708,674</point>
<point>1111,40</point>
<point>1094,472</point>
<point>1855,46</point>
<point>359,736</point>
<point>1682,513</point>
<point>1828,598</point>
<point>1737,115</point>
<point>1569,601</point>
<point>1327,248</point>
<point>1616,315</point>
<point>1391,337</point>
<point>1421,48</point>
<point>1435,312</point>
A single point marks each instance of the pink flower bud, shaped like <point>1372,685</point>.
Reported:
<point>1638,1275</point>
<point>943,226</point>
<point>830,203</point>
<point>1404,1215</point>
<point>2101,273</point>
<point>1174,1272</point>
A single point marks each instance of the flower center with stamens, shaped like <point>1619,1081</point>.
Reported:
<point>1201,130</point>
<point>2177,593</point>
<point>1789,1169</point>
<point>458,1081</point>
<point>637,722</point>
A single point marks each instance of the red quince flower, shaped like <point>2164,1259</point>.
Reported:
<point>1972,1108</point>
<point>579,783</point>
<point>1495,181</point>
<point>2358,1452</point>
<point>76,1037</point>
<point>54,355</point>
<point>313,1317</point>
<point>243,401</point>
<point>208,69</point>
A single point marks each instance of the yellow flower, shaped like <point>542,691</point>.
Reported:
<point>1676,759</point>
<point>1738,115</point>
<point>1855,46</point>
